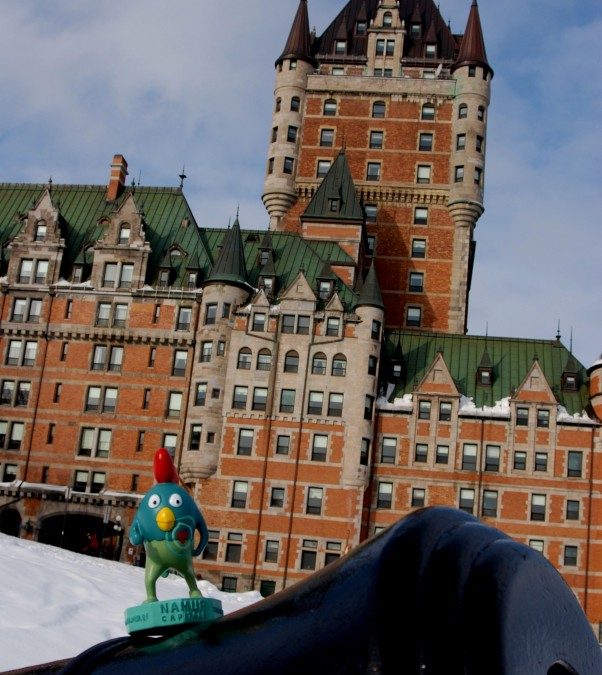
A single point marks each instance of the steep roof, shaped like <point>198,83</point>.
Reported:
<point>424,11</point>
<point>337,184</point>
<point>230,264</point>
<point>472,48</point>
<point>511,359</point>
<point>370,294</point>
<point>298,45</point>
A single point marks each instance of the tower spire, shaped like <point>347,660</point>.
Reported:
<point>472,49</point>
<point>298,45</point>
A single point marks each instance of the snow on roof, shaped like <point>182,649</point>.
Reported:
<point>577,418</point>
<point>403,404</point>
<point>499,409</point>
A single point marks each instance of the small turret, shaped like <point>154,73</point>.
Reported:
<point>472,74</point>
<point>595,387</point>
<point>292,68</point>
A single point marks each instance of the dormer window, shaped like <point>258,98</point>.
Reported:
<point>333,204</point>
<point>361,27</point>
<point>324,289</point>
<point>397,371</point>
<point>41,230</point>
<point>191,281</point>
<point>78,272</point>
<point>430,51</point>
<point>124,234</point>
<point>569,381</point>
<point>163,277</point>
<point>485,376</point>
<point>263,257</point>
<point>387,20</point>
<point>340,47</point>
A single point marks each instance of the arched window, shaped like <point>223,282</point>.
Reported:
<point>428,112</point>
<point>462,111</point>
<point>244,359</point>
<point>264,359</point>
<point>330,107</point>
<point>278,104</point>
<point>387,20</point>
<point>339,365</point>
<point>378,109</point>
<point>291,362</point>
<point>481,113</point>
<point>295,104</point>
<point>318,365</point>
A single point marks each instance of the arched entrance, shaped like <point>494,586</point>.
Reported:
<point>82,533</point>
<point>10,522</point>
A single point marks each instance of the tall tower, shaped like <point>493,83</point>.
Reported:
<point>292,68</point>
<point>388,82</point>
<point>472,75</point>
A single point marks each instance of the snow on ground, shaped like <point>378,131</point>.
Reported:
<point>55,604</point>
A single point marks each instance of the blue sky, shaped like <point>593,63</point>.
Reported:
<point>182,82</point>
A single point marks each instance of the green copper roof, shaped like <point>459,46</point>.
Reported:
<point>230,264</point>
<point>338,185</point>
<point>511,359</point>
<point>370,293</point>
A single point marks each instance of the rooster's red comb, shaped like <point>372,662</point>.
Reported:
<point>164,469</point>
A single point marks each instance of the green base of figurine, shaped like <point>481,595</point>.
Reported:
<point>155,618</point>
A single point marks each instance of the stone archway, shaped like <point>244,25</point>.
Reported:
<point>10,522</point>
<point>82,533</point>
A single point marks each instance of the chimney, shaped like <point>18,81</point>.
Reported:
<point>119,170</point>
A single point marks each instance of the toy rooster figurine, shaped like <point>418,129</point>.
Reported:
<point>166,522</point>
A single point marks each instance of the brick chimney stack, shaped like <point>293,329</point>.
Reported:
<point>119,170</point>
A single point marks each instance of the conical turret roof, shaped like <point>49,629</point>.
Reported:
<point>230,265</point>
<point>298,45</point>
<point>472,48</point>
<point>370,294</point>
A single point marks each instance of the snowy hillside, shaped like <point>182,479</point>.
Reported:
<point>54,603</point>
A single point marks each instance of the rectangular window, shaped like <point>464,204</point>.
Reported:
<point>479,144</point>
<point>103,314</point>
<point>29,355</point>
<point>371,211</point>
<point>418,497</point>
<point>184,318</point>
<point>260,398</point>
<point>57,392</point>
<point>372,365</point>
<point>466,500</point>
<point>428,112</point>
<point>421,215</point>
<point>7,392</point>
<point>416,284</point>
<point>109,277</point>
<point>210,551</point>
<point>424,410</point>
<point>543,418</point>
<point>376,140</point>
<point>174,404</point>
<point>120,315</point>
<point>291,134</point>
<point>126,276</point>
<point>309,554</point>
<point>288,323</point>
<point>520,460</point>
<point>570,556</point>
<point>364,451</point>
<point>287,400</point>
<point>575,464</point>
<point>538,507</point>
<point>23,389</point>
<point>239,494</point>
<point>445,411</point>
<point>418,248</point>
<point>41,272</point>
<point>229,584</point>
<point>461,142</point>
<point>206,351</point>
<point>375,330</point>
<point>180,360</point>
<point>200,394</point>
<point>384,499</point>
<point>314,501</point>
<point>541,461</point>
<point>489,507</point>
<point>333,325</point>
<point>423,173</point>
<point>327,138</point>
<point>169,443</point>
<point>522,417</point>
<point>442,455</point>
<point>233,547</point>
<point>459,174</point>
<point>368,406</point>
<point>25,271</point>
<point>492,457</point>
<point>414,316</point>
<point>303,324</point>
<point>210,314</point>
<point>388,450</point>
<point>315,403</point>
<point>271,551</point>
<point>245,442</point>
<point>64,351</point>
<point>16,436</point>
<point>140,442</point>
<point>116,359</point>
<point>421,452</point>
<point>425,142</point>
<point>239,398</point>
<point>289,162</point>
<point>283,444</point>
<point>572,509</point>
<point>323,167</point>
<point>319,447</point>
<point>469,457</point>
<point>277,497</point>
<point>335,405</point>
<point>373,171</point>
<point>258,322</point>
<point>195,436</point>
<point>478,175</point>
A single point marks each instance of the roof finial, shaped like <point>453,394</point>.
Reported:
<point>558,336</point>
<point>237,210</point>
<point>50,184</point>
<point>571,341</point>
<point>182,177</point>
<point>486,328</point>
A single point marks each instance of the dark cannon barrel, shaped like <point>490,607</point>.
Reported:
<point>436,593</point>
